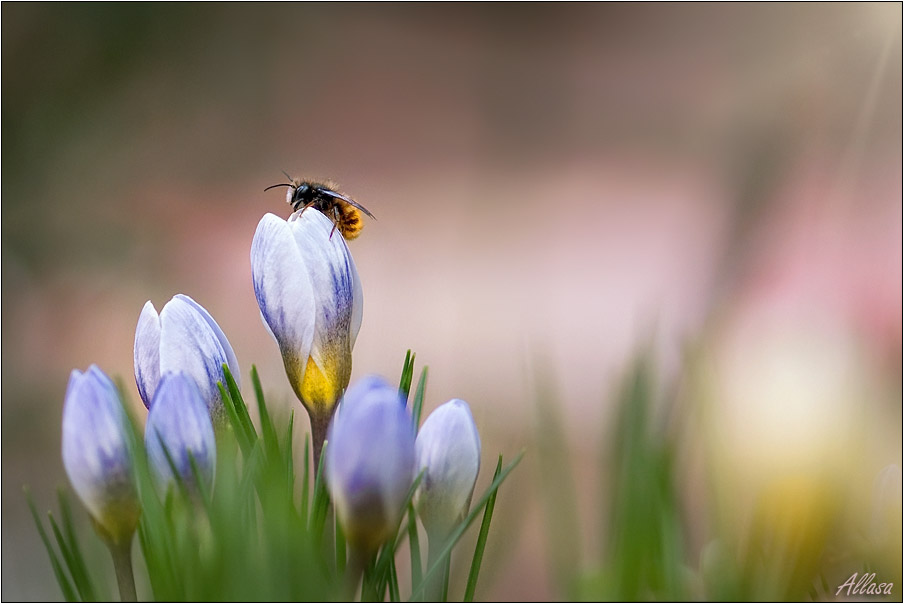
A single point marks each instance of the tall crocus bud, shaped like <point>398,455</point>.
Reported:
<point>179,431</point>
<point>183,337</point>
<point>369,462</point>
<point>310,299</point>
<point>96,454</point>
<point>448,452</point>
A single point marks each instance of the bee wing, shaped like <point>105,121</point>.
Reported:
<point>349,201</point>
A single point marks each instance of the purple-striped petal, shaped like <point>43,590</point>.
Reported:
<point>147,352</point>
<point>96,456</point>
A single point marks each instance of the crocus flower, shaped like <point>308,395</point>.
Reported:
<point>311,302</point>
<point>183,337</point>
<point>448,452</point>
<point>96,454</point>
<point>179,426</point>
<point>369,462</point>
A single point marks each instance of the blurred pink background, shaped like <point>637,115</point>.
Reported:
<point>554,186</point>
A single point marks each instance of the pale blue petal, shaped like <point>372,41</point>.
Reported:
<point>332,273</point>
<point>231,359</point>
<point>95,446</point>
<point>179,424</point>
<point>370,458</point>
<point>147,352</point>
<point>188,344</point>
<point>282,287</point>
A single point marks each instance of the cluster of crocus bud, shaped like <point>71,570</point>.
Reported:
<point>373,456</point>
<point>179,357</point>
<point>310,298</point>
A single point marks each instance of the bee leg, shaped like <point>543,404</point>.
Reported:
<point>306,206</point>
<point>335,222</point>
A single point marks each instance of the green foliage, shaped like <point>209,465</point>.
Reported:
<point>263,532</point>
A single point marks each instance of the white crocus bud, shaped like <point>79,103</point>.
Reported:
<point>311,302</point>
<point>182,338</point>
<point>448,452</point>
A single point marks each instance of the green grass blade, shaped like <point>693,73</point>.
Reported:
<point>79,570</point>
<point>341,557</point>
<point>415,547</point>
<point>447,570</point>
<point>394,595</point>
<point>407,374</point>
<point>241,408</point>
<point>290,459</point>
<point>68,558</point>
<point>419,393</point>
<point>463,526</point>
<point>268,432</point>
<point>234,421</point>
<point>305,488</point>
<point>482,540</point>
<point>62,580</point>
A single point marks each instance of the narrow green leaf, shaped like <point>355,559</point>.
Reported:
<point>290,459</point>
<point>407,375</point>
<point>241,408</point>
<point>463,526</point>
<point>268,432</point>
<point>234,420</point>
<point>68,558</point>
<point>341,557</point>
<point>394,595</point>
<point>482,540</point>
<point>79,569</point>
<point>414,545</point>
<point>418,404</point>
<point>306,477</point>
<point>447,570</point>
<point>63,581</point>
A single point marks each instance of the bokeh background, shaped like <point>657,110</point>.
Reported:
<point>557,187</point>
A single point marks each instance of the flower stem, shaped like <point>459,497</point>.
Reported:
<point>438,587</point>
<point>319,425</point>
<point>354,572</point>
<point>122,564</point>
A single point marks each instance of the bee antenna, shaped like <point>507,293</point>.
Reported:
<point>287,174</point>
<point>282,184</point>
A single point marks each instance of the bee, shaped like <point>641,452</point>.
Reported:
<point>344,211</point>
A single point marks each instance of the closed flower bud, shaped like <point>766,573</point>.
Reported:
<point>96,454</point>
<point>183,337</point>
<point>310,299</point>
<point>369,462</point>
<point>178,431</point>
<point>448,453</point>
